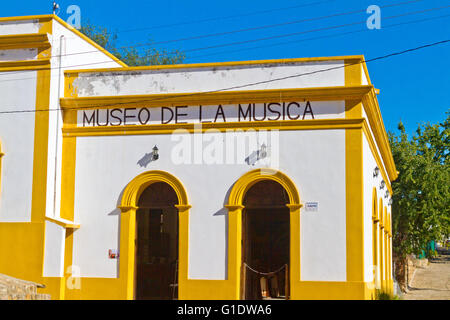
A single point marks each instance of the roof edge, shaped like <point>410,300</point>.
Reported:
<point>220,64</point>
<point>69,27</point>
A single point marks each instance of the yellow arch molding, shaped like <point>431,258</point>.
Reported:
<point>1,156</point>
<point>128,207</point>
<point>235,206</point>
<point>136,186</point>
<point>250,178</point>
<point>375,233</point>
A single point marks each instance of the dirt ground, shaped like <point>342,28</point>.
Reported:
<point>432,282</point>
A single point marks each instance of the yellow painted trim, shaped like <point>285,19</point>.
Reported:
<point>381,244</point>
<point>245,182</point>
<point>235,207</point>
<point>321,124</point>
<point>205,98</point>
<point>386,255</point>
<point>24,41</point>
<point>69,89</point>
<point>354,179</point>
<point>128,206</point>
<point>375,120</point>
<point>41,64</point>
<point>223,64</point>
<point>22,250</point>
<point>39,191</point>
<point>354,203</point>
<point>22,18</point>
<point>134,189</point>
<point>352,71</point>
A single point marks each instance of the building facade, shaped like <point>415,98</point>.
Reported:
<point>206,181</point>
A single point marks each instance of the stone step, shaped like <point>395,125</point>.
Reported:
<point>17,289</point>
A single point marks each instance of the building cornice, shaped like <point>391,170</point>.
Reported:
<point>24,41</point>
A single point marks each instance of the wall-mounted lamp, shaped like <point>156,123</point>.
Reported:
<point>155,155</point>
<point>376,172</point>
<point>386,195</point>
<point>382,185</point>
<point>263,152</point>
<point>55,7</point>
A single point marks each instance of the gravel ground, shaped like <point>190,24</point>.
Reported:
<point>432,282</point>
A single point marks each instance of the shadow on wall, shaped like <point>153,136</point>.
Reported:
<point>224,212</point>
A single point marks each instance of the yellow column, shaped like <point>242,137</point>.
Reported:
<point>354,179</point>
<point>235,248</point>
<point>294,272</point>
<point>183,249</point>
<point>381,252</point>
<point>127,250</point>
<point>376,258</point>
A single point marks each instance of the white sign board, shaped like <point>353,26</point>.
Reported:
<point>250,112</point>
<point>312,206</point>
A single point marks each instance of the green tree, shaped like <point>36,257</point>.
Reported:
<point>421,206</point>
<point>130,55</point>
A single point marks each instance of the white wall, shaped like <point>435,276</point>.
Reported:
<point>69,47</point>
<point>19,27</point>
<point>210,79</point>
<point>18,54</point>
<point>17,92</point>
<point>314,160</point>
<point>369,165</point>
<point>54,250</point>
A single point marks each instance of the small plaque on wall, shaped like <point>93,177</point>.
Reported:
<point>312,206</point>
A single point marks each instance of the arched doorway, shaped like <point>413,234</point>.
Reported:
<point>265,241</point>
<point>157,238</point>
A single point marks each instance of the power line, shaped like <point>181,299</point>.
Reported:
<point>269,25</point>
<point>309,31</point>
<point>227,17</point>
<point>247,84</point>
<point>248,29</point>
<point>321,37</point>
<point>246,41</point>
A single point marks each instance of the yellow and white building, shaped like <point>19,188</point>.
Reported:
<point>84,199</point>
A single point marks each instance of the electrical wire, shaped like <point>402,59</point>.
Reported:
<point>252,29</point>
<point>247,84</point>
<point>227,17</point>
<point>320,37</point>
<point>247,41</point>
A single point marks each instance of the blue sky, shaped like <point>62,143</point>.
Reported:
<point>414,87</point>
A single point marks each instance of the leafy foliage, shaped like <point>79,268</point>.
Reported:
<point>421,207</point>
<point>130,55</point>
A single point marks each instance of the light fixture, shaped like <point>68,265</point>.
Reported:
<point>155,155</point>
<point>382,185</point>
<point>386,195</point>
<point>55,7</point>
<point>391,201</point>
<point>263,151</point>
<point>376,171</point>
